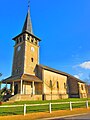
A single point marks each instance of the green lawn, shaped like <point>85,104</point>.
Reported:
<point>30,109</point>
<point>11,111</point>
<point>46,101</point>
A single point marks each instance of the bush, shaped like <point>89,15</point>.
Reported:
<point>0,103</point>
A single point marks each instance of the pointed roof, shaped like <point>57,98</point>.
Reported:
<point>27,24</point>
<point>27,27</point>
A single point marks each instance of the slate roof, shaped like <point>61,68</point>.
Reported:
<point>30,78</point>
<point>59,72</point>
<point>28,24</point>
<point>24,77</point>
<point>27,27</point>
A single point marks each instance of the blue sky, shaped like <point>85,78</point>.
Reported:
<point>62,25</point>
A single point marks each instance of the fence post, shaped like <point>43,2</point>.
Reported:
<point>71,106</point>
<point>24,109</point>
<point>50,108</point>
<point>87,104</point>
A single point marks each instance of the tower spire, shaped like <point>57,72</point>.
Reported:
<point>28,24</point>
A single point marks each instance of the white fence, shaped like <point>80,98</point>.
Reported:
<point>49,104</point>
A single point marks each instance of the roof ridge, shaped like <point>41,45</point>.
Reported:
<point>58,71</point>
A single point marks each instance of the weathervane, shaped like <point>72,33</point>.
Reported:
<point>28,4</point>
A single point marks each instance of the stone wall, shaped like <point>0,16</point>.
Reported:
<point>38,88</point>
<point>18,59</point>
<point>73,87</point>
<point>55,96</point>
<point>38,72</point>
<point>82,90</point>
<point>76,89</point>
<point>29,65</point>
<point>57,90</point>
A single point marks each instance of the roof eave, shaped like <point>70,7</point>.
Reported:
<point>28,33</point>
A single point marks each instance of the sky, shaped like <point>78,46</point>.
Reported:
<point>62,25</point>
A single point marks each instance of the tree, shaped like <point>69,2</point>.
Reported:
<point>87,80</point>
<point>0,81</point>
<point>0,88</point>
<point>0,74</point>
<point>51,86</point>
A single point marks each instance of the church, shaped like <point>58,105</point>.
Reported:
<point>30,80</point>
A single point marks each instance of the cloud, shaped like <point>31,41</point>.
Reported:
<point>85,65</point>
<point>77,76</point>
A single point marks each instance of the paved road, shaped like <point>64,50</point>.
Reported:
<point>81,117</point>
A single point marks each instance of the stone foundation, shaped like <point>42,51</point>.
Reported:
<point>83,95</point>
<point>29,97</point>
<point>54,97</point>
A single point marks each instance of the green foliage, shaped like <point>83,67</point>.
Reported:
<point>1,93</point>
<point>0,96</point>
<point>0,88</point>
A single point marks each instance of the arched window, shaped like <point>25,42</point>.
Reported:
<point>57,84</point>
<point>17,41</point>
<point>32,40</point>
<point>50,84</point>
<point>82,87</point>
<point>36,42</point>
<point>64,85</point>
<point>28,37</point>
<point>32,59</point>
<point>20,39</point>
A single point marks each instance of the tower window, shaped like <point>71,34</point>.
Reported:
<point>24,37</point>
<point>17,41</point>
<point>20,39</point>
<point>32,59</point>
<point>36,42</point>
<point>27,38</point>
<point>32,40</point>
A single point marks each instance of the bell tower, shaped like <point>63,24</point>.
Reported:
<point>26,50</point>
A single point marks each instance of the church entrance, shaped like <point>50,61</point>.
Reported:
<point>16,89</point>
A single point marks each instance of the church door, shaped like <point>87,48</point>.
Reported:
<point>16,89</point>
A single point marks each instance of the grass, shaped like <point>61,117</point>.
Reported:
<point>34,109</point>
<point>60,107</point>
<point>46,101</point>
<point>79,105</point>
<point>31,109</point>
